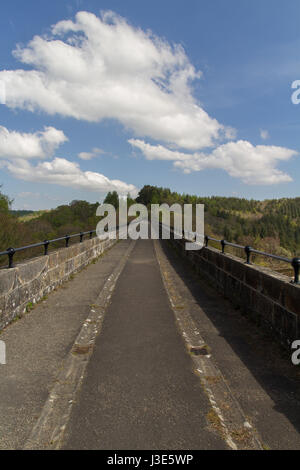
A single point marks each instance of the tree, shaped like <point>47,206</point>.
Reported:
<point>130,201</point>
<point>8,224</point>
<point>5,202</point>
<point>147,194</point>
<point>112,198</point>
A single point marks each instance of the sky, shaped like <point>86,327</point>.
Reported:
<point>196,96</point>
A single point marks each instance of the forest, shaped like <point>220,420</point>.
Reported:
<point>270,225</point>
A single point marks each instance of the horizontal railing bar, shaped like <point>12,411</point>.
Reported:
<point>34,245</point>
<point>280,258</point>
<point>234,245</point>
<point>60,239</point>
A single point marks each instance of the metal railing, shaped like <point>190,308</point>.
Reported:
<point>10,252</point>
<point>294,262</point>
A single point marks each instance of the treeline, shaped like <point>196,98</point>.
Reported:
<point>66,219</point>
<point>271,225</point>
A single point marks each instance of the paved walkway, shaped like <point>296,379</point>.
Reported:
<point>38,343</point>
<point>140,391</point>
<point>137,387</point>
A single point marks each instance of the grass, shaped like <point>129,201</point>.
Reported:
<point>29,307</point>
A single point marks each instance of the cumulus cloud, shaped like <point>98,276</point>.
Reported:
<point>89,155</point>
<point>96,68</point>
<point>252,164</point>
<point>42,144</point>
<point>65,173</point>
<point>17,148</point>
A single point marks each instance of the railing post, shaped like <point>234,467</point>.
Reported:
<point>206,240</point>
<point>11,252</point>
<point>91,234</point>
<point>248,254</point>
<point>81,237</point>
<point>67,240</point>
<point>46,245</point>
<point>296,266</point>
<point>223,243</point>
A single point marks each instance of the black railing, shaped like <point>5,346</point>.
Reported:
<point>294,262</point>
<point>10,252</point>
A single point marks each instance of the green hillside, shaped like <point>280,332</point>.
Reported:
<point>271,225</point>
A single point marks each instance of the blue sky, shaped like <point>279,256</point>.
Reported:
<point>100,103</point>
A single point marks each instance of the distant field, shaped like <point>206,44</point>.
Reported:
<point>32,215</point>
<point>25,216</point>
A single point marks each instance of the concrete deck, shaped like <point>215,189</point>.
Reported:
<point>140,388</point>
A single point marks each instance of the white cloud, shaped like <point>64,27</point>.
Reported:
<point>158,152</point>
<point>89,155</point>
<point>37,196</point>
<point>17,148</point>
<point>252,164</point>
<point>86,155</point>
<point>65,173</point>
<point>28,194</point>
<point>14,144</point>
<point>264,134</point>
<point>97,68</point>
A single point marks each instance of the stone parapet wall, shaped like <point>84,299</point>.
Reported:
<point>267,297</point>
<point>30,281</point>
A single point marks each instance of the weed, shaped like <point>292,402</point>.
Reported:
<point>214,420</point>
<point>29,307</point>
